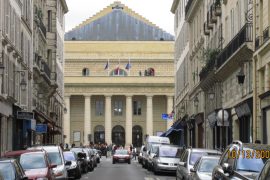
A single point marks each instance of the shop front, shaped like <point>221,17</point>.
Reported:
<point>199,120</point>
<point>191,131</point>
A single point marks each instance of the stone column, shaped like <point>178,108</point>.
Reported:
<point>149,115</point>
<point>87,118</point>
<point>267,78</point>
<point>169,110</point>
<point>66,123</point>
<point>128,120</point>
<point>108,119</point>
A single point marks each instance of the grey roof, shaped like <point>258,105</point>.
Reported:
<point>118,26</point>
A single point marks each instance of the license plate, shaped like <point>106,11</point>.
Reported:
<point>171,164</point>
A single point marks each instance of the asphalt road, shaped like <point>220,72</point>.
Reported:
<point>134,171</point>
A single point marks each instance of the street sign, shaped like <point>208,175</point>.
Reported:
<point>25,115</point>
<point>41,128</point>
<point>164,116</point>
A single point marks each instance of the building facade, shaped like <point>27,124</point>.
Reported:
<point>220,57</point>
<point>119,79</point>
<point>261,71</point>
<point>25,77</point>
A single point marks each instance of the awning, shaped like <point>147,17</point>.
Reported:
<point>199,118</point>
<point>42,117</point>
<point>244,108</point>
<point>175,127</point>
<point>212,118</point>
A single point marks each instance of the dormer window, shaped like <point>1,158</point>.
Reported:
<point>85,72</point>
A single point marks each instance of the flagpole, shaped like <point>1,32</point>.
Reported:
<point>129,66</point>
<point>108,71</point>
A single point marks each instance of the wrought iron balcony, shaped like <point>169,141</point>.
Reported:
<point>188,5</point>
<point>260,40</point>
<point>243,36</point>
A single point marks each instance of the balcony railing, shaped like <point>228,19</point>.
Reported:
<point>188,5</point>
<point>260,40</point>
<point>244,35</point>
<point>46,69</point>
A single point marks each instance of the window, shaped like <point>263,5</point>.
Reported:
<point>118,72</point>
<point>49,21</point>
<point>99,108</point>
<point>85,72</point>
<point>149,72</point>
<point>118,108</point>
<point>137,108</point>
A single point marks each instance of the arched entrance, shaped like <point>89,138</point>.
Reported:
<point>118,135</point>
<point>137,136</point>
<point>99,135</point>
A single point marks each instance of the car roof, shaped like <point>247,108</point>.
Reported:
<point>20,152</point>
<point>47,148</point>
<point>210,157</point>
<point>204,150</point>
<point>7,160</point>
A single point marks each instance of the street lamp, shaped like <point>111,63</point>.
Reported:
<point>211,94</point>
<point>241,76</point>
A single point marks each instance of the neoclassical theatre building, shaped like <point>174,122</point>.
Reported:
<point>119,78</point>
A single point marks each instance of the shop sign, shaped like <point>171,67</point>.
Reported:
<point>25,115</point>
<point>41,128</point>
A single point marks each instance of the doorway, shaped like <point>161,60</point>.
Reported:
<point>118,135</point>
<point>137,136</point>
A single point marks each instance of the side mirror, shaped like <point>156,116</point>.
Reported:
<point>144,148</point>
<point>53,166</point>
<point>155,156</point>
<point>227,168</point>
<point>184,164</point>
<point>68,163</point>
<point>192,170</point>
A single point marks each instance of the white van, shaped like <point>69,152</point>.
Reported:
<point>152,140</point>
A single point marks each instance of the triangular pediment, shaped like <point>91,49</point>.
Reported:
<point>117,23</point>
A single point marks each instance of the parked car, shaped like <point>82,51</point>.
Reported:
<point>74,170</point>
<point>189,158</point>
<point>97,155</point>
<point>82,158</point>
<point>93,156</point>
<point>11,169</point>
<point>56,157</point>
<point>265,172</point>
<point>121,155</point>
<point>241,160</point>
<point>35,163</point>
<point>150,140</point>
<point>203,167</point>
<point>149,157</point>
<point>87,158</point>
<point>90,158</point>
<point>166,159</point>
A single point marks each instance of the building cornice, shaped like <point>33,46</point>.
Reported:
<point>64,4</point>
<point>174,6</point>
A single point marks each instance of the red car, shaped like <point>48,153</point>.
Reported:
<point>121,155</point>
<point>35,163</point>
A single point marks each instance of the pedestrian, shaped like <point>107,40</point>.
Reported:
<point>135,152</point>
<point>73,145</point>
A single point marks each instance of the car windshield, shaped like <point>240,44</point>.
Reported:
<point>252,164</point>
<point>170,152</point>
<point>69,156</point>
<point>194,157</point>
<point>207,165</point>
<point>55,158</point>
<point>7,171</point>
<point>32,161</point>
<point>121,152</point>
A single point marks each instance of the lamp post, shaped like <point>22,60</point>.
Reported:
<point>23,83</point>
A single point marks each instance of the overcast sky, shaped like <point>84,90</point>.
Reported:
<point>157,11</point>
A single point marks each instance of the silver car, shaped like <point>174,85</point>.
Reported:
<point>56,157</point>
<point>189,158</point>
<point>203,167</point>
<point>167,158</point>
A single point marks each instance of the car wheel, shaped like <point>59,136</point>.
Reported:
<point>79,174</point>
<point>113,162</point>
<point>128,161</point>
<point>155,170</point>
